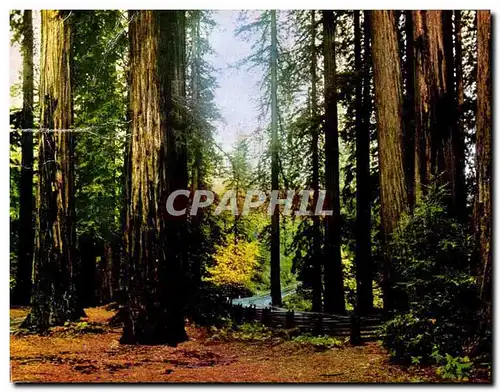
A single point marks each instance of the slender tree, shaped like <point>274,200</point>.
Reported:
<point>197,169</point>
<point>388,107</point>
<point>317,259</point>
<point>53,300</point>
<point>155,249</point>
<point>22,289</point>
<point>484,161</point>
<point>334,283</point>
<point>275,223</point>
<point>364,277</point>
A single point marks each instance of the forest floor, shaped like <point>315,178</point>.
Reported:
<point>94,355</point>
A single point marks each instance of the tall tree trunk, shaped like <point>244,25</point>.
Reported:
<point>388,104</point>
<point>22,289</point>
<point>364,277</point>
<point>275,219</point>
<point>484,161</point>
<point>334,283</point>
<point>409,129</point>
<point>54,298</point>
<point>317,259</point>
<point>155,251</point>
<point>438,146</point>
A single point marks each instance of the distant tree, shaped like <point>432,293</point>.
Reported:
<point>334,286</point>
<point>234,265</point>
<point>315,125</point>
<point>275,219</point>
<point>265,54</point>
<point>22,290</point>
<point>364,274</point>
<point>100,83</point>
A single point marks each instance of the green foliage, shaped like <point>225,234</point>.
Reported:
<point>100,105</point>
<point>452,368</point>
<point>319,342</point>
<point>252,332</point>
<point>300,300</point>
<point>234,264</point>
<point>437,297</point>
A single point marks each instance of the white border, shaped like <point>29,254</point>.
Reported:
<point>188,4</point>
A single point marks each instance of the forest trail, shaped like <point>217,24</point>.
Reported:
<point>98,357</point>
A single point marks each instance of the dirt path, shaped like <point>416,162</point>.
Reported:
<point>100,358</point>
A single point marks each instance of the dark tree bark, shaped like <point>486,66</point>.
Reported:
<point>388,107</point>
<point>54,298</point>
<point>364,275</point>
<point>409,113</point>
<point>334,282</point>
<point>88,278</point>
<point>317,259</point>
<point>155,249</point>
<point>439,148</point>
<point>275,219</point>
<point>484,162</point>
<point>22,290</point>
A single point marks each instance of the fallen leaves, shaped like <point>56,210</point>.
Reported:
<point>88,357</point>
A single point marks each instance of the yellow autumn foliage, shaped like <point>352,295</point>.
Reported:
<point>234,264</point>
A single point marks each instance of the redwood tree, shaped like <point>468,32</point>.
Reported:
<point>154,238</point>
<point>317,259</point>
<point>364,276</point>
<point>438,154</point>
<point>53,300</point>
<point>484,161</point>
<point>275,219</point>
<point>388,107</point>
<point>334,283</point>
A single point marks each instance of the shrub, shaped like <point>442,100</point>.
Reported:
<point>300,301</point>
<point>452,368</point>
<point>437,294</point>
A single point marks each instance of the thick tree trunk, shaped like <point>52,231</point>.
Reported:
<point>364,277</point>
<point>334,283</point>
<point>388,104</point>
<point>275,219</point>
<point>484,161</point>
<point>155,251</point>
<point>22,290</point>
<point>317,259</point>
<point>54,298</point>
<point>438,146</point>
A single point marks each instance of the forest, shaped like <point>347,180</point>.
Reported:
<point>342,234</point>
